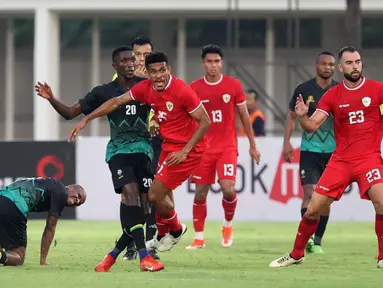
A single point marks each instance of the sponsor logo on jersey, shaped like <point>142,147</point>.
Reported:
<point>311,99</point>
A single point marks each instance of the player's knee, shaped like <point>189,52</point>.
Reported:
<point>228,188</point>
<point>201,192</point>
<point>308,191</point>
<point>312,214</point>
<point>131,194</point>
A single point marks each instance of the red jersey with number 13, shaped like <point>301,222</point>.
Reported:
<point>172,108</point>
<point>357,118</point>
<point>220,100</point>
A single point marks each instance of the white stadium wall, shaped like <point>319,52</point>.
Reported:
<point>268,192</point>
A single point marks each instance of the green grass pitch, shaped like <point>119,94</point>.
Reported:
<point>349,260</point>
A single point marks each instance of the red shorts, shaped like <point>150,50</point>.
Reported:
<point>174,176</point>
<point>340,174</point>
<point>224,164</point>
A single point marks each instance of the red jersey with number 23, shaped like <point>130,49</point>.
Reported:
<point>357,118</point>
<point>220,100</point>
<point>172,108</point>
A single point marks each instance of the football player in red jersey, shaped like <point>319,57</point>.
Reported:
<point>222,96</point>
<point>356,105</point>
<point>183,123</point>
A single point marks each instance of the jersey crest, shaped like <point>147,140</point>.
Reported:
<point>226,98</point>
<point>169,105</point>
<point>366,101</point>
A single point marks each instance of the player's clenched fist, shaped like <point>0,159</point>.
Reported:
<point>301,108</point>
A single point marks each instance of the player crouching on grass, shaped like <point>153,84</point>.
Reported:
<point>32,195</point>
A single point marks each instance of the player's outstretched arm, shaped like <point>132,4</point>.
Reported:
<point>68,113</point>
<point>201,116</point>
<point>245,119</point>
<point>47,238</point>
<point>311,124</point>
<point>105,109</point>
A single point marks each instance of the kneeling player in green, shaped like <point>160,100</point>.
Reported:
<point>32,195</point>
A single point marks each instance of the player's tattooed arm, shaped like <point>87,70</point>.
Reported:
<point>47,238</point>
<point>68,113</point>
<point>309,124</point>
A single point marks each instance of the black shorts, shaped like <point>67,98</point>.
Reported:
<point>131,168</point>
<point>312,165</point>
<point>13,225</point>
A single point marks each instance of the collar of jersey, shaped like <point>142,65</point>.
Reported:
<point>357,87</point>
<point>212,84</point>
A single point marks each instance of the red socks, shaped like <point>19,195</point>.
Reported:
<point>306,228</point>
<point>199,215</point>
<point>379,234</point>
<point>229,205</point>
<point>162,226</point>
<point>172,221</point>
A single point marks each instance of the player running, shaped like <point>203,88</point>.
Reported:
<point>142,46</point>
<point>316,148</point>
<point>129,151</point>
<point>32,195</point>
<point>183,123</point>
<point>356,105</point>
<point>222,96</point>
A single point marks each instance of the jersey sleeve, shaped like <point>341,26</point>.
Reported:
<point>293,99</point>
<point>139,92</point>
<point>92,100</point>
<point>190,99</point>
<point>240,97</point>
<point>58,199</point>
<point>325,104</point>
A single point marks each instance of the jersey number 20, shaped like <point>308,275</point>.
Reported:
<point>356,117</point>
<point>131,109</point>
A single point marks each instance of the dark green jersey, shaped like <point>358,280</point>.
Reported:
<point>37,195</point>
<point>128,124</point>
<point>322,140</point>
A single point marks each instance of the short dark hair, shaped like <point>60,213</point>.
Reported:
<point>327,53</point>
<point>211,48</point>
<point>345,49</point>
<point>156,57</point>
<point>142,40</point>
<point>118,50</point>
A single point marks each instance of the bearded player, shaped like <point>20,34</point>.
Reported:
<point>356,105</point>
<point>222,96</point>
<point>183,123</point>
